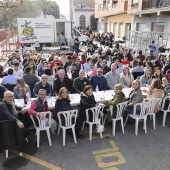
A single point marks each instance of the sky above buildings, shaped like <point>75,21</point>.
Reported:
<point>64,6</point>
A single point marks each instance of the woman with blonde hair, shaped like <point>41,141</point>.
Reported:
<point>135,96</point>
<point>21,89</point>
<point>63,104</point>
<point>156,91</point>
<point>126,78</point>
<point>146,79</point>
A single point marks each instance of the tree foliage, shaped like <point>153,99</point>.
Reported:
<point>49,8</point>
<point>28,9</point>
<point>9,13</point>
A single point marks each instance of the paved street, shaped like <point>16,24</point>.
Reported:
<point>123,152</point>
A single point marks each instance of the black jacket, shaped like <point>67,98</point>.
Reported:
<point>86,102</point>
<point>106,70</point>
<point>6,111</point>
<point>2,90</point>
<point>58,84</point>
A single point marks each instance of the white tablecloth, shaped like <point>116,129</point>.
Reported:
<point>100,97</point>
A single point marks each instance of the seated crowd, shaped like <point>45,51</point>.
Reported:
<point>39,78</point>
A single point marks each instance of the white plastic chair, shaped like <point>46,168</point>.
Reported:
<point>42,126</point>
<point>165,111</point>
<point>6,153</point>
<point>97,117</point>
<point>69,123</point>
<point>120,108</point>
<point>141,116</point>
<point>150,110</point>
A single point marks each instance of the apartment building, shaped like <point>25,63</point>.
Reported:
<point>112,17</point>
<point>82,13</point>
<point>150,15</point>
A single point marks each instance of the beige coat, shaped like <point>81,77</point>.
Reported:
<point>155,93</point>
<point>126,80</point>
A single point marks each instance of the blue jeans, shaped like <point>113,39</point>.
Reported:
<point>130,111</point>
<point>72,48</point>
<point>76,49</point>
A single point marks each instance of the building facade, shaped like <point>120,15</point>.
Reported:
<point>82,13</point>
<point>151,15</point>
<point>112,17</point>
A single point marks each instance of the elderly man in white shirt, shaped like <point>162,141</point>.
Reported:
<point>112,77</point>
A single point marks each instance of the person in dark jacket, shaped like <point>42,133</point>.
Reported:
<point>2,91</point>
<point>157,73</point>
<point>63,104</point>
<point>62,81</point>
<point>8,111</point>
<point>87,101</point>
<point>106,69</point>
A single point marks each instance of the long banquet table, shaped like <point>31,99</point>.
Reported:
<point>100,97</point>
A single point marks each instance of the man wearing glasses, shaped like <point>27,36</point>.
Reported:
<point>99,81</point>
<point>106,69</point>
<point>43,85</point>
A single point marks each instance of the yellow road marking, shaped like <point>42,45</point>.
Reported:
<point>102,164</point>
<point>112,168</point>
<point>37,160</point>
<point>113,152</point>
<point>115,148</point>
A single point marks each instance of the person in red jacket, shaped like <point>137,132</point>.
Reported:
<point>74,56</point>
<point>125,61</point>
<point>54,61</point>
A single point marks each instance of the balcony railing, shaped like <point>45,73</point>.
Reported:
<point>147,4</point>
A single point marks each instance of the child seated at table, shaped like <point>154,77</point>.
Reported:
<point>119,97</point>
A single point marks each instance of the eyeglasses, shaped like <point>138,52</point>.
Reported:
<point>10,96</point>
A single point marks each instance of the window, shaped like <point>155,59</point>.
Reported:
<point>82,21</point>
